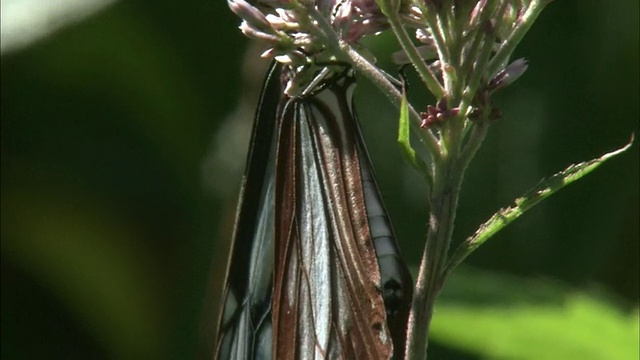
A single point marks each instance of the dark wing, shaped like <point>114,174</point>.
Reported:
<point>245,328</point>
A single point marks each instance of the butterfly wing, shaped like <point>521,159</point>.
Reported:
<point>331,230</point>
<point>245,329</point>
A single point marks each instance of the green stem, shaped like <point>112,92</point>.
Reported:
<point>444,202</point>
<point>478,133</point>
<point>409,48</point>
<point>526,21</point>
<point>432,19</point>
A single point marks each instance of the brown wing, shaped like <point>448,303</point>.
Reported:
<point>327,289</point>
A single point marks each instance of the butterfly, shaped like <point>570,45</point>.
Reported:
<point>314,271</point>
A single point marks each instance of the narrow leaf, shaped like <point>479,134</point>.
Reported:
<point>544,189</point>
<point>405,143</point>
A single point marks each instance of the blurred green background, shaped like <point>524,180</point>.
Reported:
<point>124,134</point>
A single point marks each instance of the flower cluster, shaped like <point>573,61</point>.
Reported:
<point>300,30</point>
<point>303,34</point>
<point>460,51</point>
<point>466,45</point>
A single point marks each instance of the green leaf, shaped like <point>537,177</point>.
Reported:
<point>495,316</point>
<point>405,143</point>
<point>544,189</point>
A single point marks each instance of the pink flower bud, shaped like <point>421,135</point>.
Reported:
<point>508,75</point>
<point>251,15</point>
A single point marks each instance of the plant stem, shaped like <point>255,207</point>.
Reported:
<point>527,20</point>
<point>412,53</point>
<point>444,202</point>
